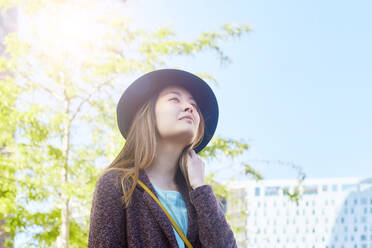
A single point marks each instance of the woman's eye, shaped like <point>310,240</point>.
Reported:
<point>175,98</point>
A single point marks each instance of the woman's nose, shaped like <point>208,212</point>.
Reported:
<point>188,107</point>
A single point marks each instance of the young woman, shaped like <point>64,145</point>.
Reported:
<point>166,116</point>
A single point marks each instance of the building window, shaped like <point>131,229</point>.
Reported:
<point>334,187</point>
<point>274,190</point>
<point>325,188</point>
<point>363,201</point>
<point>347,186</point>
<point>363,219</point>
<point>311,190</point>
<point>257,191</point>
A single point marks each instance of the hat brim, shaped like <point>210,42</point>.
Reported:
<point>143,88</point>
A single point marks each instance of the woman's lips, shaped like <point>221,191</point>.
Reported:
<point>189,118</point>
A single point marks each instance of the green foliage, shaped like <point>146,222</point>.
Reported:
<point>250,171</point>
<point>295,196</point>
<point>223,146</point>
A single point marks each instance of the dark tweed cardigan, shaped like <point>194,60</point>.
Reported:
<point>144,224</point>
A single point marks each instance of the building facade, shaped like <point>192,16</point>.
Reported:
<point>331,213</point>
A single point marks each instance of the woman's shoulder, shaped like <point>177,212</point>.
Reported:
<point>109,181</point>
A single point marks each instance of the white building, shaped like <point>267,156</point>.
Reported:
<point>331,213</point>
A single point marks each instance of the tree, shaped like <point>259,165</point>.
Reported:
<point>63,73</point>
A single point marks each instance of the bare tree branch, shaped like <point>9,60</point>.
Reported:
<point>86,99</point>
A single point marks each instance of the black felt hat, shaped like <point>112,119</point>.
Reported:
<point>143,88</point>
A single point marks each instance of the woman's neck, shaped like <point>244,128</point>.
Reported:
<point>163,169</point>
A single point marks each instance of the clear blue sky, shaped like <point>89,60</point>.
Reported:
<point>299,88</point>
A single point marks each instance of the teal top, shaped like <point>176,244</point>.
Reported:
<point>176,207</point>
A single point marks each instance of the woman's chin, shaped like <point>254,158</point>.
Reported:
<point>187,136</point>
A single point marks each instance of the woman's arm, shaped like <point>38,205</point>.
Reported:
<point>107,217</point>
<point>214,231</point>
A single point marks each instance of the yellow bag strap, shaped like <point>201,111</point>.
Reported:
<point>187,242</point>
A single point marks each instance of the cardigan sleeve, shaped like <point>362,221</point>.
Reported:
<point>214,230</point>
<point>107,217</point>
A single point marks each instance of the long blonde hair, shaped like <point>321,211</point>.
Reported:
<point>140,148</point>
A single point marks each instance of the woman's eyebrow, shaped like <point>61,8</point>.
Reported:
<point>177,93</point>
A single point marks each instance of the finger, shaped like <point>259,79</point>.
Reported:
<point>191,153</point>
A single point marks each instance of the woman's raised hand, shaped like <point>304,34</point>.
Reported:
<point>195,169</point>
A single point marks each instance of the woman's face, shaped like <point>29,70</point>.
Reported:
<point>172,105</point>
